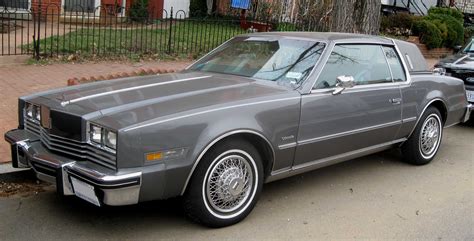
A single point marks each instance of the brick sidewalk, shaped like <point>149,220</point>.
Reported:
<point>22,80</point>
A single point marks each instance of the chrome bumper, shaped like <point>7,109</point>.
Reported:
<point>111,187</point>
<point>469,110</point>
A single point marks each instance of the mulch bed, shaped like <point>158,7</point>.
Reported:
<point>22,183</point>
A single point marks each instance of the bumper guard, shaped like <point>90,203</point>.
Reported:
<point>110,187</point>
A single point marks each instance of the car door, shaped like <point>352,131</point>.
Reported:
<point>363,117</point>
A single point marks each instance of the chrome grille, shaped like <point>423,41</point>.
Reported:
<point>72,147</point>
<point>32,126</point>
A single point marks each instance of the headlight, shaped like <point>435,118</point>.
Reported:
<point>96,134</point>
<point>110,139</point>
<point>32,112</point>
<point>29,110</point>
<point>102,137</point>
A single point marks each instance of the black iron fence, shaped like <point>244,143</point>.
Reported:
<point>48,30</point>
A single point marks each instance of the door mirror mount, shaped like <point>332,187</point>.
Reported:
<point>343,82</point>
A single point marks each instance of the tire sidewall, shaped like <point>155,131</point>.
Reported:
<point>198,209</point>
<point>411,149</point>
<point>434,114</point>
<point>253,191</point>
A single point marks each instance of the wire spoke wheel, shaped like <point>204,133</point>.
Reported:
<point>229,183</point>
<point>430,136</point>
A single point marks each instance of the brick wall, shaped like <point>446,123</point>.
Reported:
<point>47,6</point>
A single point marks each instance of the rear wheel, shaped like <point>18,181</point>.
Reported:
<point>226,185</point>
<point>424,142</point>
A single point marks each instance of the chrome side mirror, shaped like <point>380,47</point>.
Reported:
<point>343,82</point>
<point>439,71</point>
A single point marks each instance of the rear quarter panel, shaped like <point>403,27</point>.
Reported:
<point>426,88</point>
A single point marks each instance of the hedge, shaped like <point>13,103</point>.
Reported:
<point>429,33</point>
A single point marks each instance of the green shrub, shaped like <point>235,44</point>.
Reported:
<point>429,34</point>
<point>139,11</point>
<point>399,20</point>
<point>198,8</point>
<point>399,24</point>
<point>447,11</point>
<point>455,34</point>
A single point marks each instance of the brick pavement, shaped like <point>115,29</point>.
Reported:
<point>21,80</point>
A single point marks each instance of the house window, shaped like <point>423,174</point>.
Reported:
<point>15,4</point>
<point>88,6</point>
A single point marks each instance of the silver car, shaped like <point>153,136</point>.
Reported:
<point>259,108</point>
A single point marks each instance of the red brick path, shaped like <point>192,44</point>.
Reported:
<point>21,80</point>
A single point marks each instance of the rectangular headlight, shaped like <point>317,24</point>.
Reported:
<point>28,110</point>
<point>102,137</point>
<point>95,134</point>
<point>32,112</point>
<point>110,139</point>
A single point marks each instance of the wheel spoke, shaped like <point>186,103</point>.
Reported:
<point>229,183</point>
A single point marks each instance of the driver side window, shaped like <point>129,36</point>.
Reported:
<point>366,63</point>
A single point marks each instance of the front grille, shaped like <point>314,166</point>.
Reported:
<point>72,148</point>
<point>460,74</point>
<point>32,126</point>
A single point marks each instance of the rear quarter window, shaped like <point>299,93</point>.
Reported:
<point>398,73</point>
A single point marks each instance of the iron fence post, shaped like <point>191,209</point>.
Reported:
<point>171,31</point>
<point>38,31</point>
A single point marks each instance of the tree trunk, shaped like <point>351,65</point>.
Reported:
<point>355,16</point>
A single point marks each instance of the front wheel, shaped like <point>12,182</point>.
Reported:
<point>226,185</point>
<point>424,142</point>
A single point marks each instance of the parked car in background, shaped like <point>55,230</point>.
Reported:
<point>259,108</point>
<point>461,65</point>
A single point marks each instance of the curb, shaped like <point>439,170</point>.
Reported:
<point>14,174</point>
<point>6,168</point>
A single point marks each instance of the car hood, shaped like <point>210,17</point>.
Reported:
<point>458,61</point>
<point>121,103</point>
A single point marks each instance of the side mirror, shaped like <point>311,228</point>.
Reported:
<point>457,48</point>
<point>343,82</point>
<point>439,71</point>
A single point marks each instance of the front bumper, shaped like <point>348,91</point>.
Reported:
<point>110,187</point>
<point>469,110</point>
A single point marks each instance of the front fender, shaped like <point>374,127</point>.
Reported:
<point>270,119</point>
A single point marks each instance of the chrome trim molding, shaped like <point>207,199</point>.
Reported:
<point>217,140</point>
<point>404,65</point>
<point>346,133</point>
<point>205,112</point>
<point>287,146</point>
<point>469,110</point>
<point>64,103</point>
<point>409,119</point>
<point>423,112</point>
<point>357,88</point>
<point>316,164</point>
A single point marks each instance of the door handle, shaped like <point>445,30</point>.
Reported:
<point>396,101</point>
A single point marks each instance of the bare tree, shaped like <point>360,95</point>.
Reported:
<point>355,16</point>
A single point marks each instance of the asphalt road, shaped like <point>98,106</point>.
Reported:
<point>375,197</point>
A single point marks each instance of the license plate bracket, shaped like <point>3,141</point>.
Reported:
<point>84,191</point>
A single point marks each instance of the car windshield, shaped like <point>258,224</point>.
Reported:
<point>285,61</point>
<point>469,47</point>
